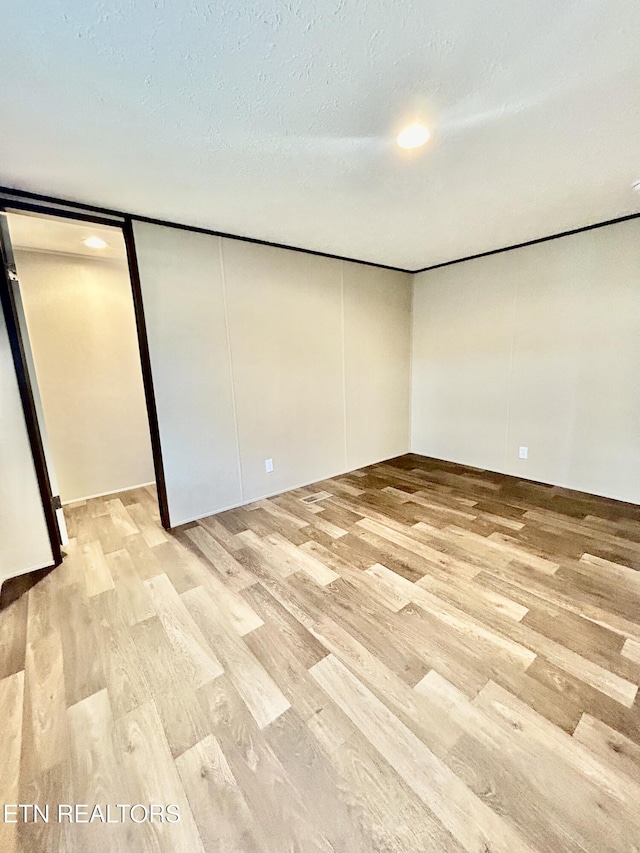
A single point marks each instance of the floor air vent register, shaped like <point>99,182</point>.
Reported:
<point>313,499</point>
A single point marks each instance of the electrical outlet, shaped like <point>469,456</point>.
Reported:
<point>523,453</point>
<point>268,465</point>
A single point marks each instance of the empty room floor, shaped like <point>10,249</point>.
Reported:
<point>428,658</point>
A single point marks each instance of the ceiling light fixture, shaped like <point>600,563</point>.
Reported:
<point>95,243</point>
<point>413,137</point>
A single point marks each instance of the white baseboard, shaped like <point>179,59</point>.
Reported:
<point>339,473</point>
<point>106,494</point>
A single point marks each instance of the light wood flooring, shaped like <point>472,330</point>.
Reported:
<point>432,658</point>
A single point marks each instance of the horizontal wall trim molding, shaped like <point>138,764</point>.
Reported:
<point>568,233</point>
<point>107,216</point>
<point>121,215</point>
<point>15,200</point>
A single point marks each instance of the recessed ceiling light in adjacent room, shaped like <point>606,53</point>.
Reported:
<point>413,137</point>
<point>95,243</point>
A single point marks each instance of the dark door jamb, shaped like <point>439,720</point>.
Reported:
<point>147,376</point>
<point>26,396</point>
<point>126,225</point>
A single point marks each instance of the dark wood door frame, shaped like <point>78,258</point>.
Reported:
<point>27,399</point>
<point>147,376</point>
<point>125,224</point>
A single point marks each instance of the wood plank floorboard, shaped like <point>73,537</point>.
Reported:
<point>430,658</point>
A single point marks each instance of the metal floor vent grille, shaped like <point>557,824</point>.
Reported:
<point>319,496</point>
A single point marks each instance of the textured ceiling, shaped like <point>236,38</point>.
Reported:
<point>276,120</point>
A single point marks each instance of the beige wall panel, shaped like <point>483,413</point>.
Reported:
<point>575,399</point>
<point>462,334</point>
<point>185,313</point>
<point>285,326</point>
<point>573,357</point>
<point>377,333</point>
<point>24,540</point>
<point>547,354</point>
<point>83,337</point>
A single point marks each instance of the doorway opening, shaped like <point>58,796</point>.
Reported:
<point>76,315</point>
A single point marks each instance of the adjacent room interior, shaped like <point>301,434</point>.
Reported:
<point>78,330</point>
<point>80,322</point>
<point>320,433</point>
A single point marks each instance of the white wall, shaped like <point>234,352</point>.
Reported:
<point>538,346</point>
<point>82,331</point>
<point>184,308</point>
<point>377,352</point>
<point>24,539</point>
<point>261,353</point>
<point>285,324</point>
